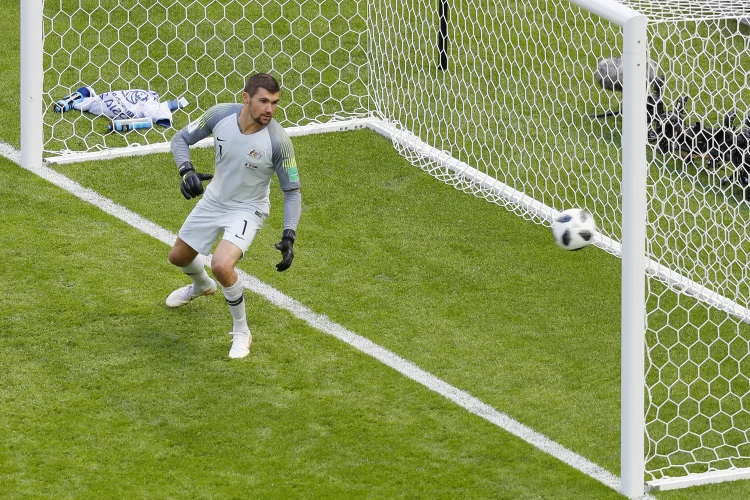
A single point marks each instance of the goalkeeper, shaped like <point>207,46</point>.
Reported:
<point>250,148</point>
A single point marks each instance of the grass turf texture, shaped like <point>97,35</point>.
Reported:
<point>113,384</point>
<point>107,393</point>
<point>459,286</point>
<point>399,308</point>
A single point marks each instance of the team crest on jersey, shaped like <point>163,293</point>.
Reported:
<point>253,156</point>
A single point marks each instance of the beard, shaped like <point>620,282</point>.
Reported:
<point>263,118</point>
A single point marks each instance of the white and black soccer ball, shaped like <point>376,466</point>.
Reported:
<point>574,229</point>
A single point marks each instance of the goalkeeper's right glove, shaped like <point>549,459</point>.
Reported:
<point>191,184</point>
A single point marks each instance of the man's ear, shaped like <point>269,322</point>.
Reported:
<point>245,98</point>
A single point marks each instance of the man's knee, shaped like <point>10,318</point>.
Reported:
<point>223,261</point>
<point>181,254</point>
<point>175,258</point>
<point>222,269</point>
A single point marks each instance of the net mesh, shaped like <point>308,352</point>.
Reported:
<point>689,10</point>
<point>517,104</point>
<point>203,51</point>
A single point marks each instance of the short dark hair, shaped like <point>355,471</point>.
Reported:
<point>262,81</point>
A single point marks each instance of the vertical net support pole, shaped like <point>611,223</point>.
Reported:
<point>633,307</point>
<point>632,411</point>
<point>32,133</point>
<point>443,36</point>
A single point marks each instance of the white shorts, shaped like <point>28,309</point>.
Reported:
<point>205,224</point>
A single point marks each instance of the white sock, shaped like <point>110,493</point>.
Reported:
<point>235,296</point>
<point>197,272</point>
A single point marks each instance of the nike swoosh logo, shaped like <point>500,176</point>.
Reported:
<point>238,236</point>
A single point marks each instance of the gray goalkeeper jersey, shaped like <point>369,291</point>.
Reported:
<point>245,164</point>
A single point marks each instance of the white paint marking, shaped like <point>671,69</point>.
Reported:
<point>324,324</point>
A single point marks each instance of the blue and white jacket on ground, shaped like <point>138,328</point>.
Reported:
<point>122,104</point>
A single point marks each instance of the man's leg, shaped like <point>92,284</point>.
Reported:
<point>187,259</point>
<point>222,266</point>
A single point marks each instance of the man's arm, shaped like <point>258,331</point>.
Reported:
<point>181,147</point>
<point>199,130</point>
<point>191,184</point>
<point>292,211</point>
<point>285,164</point>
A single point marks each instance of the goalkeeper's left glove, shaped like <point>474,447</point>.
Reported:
<point>286,247</point>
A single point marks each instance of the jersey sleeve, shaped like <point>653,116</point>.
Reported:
<point>198,130</point>
<point>285,164</point>
<point>284,161</point>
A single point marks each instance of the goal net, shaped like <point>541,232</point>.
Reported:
<point>201,51</point>
<point>511,117</point>
<point>514,107</point>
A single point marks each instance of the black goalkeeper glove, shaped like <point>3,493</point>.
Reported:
<point>191,184</point>
<point>286,247</point>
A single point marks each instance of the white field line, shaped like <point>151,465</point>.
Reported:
<point>325,325</point>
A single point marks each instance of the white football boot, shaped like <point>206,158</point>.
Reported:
<point>183,295</point>
<point>240,344</point>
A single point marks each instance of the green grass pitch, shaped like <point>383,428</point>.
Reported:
<point>105,393</point>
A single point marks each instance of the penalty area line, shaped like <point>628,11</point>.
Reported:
<point>323,324</point>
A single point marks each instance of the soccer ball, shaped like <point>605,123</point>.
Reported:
<point>574,229</point>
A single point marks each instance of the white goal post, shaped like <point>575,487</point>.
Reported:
<point>633,315</point>
<point>623,108</point>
